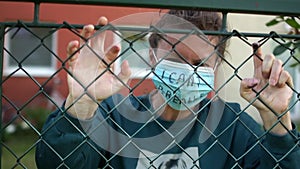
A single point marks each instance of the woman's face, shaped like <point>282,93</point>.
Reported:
<point>194,50</point>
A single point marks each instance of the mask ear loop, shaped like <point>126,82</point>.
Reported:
<point>217,63</point>
<point>154,55</point>
<point>153,62</point>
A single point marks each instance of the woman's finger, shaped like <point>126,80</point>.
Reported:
<point>246,88</point>
<point>257,58</point>
<point>98,40</point>
<point>267,65</point>
<point>285,78</point>
<point>87,31</point>
<point>110,56</point>
<point>72,53</point>
<point>125,73</point>
<point>275,72</point>
<point>102,21</point>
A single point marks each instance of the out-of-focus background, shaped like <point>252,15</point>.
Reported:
<point>29,96</point>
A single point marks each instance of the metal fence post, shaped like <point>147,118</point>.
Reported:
<point>2,31</point>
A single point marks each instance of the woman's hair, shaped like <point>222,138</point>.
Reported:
<point>203,20</point>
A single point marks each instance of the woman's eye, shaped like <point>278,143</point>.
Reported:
<point>199,63</point>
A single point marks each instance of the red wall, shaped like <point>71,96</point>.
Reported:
<point>20,90</point>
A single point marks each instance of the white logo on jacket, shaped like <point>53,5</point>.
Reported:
<point>182,160</point>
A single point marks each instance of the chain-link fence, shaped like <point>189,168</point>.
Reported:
<point>133,130</point>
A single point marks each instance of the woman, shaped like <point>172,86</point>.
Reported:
<point>98,128</point>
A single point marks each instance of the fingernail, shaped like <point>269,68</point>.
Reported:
<point>253,82</point>
<point>115,49</point>
<point>272,82</point>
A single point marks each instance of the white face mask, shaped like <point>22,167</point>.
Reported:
<point>181,85</point>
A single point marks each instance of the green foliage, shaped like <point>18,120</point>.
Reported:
<point>37,116</point>
<point>293,22</point>
<point>275,21</point>
<point>290,20</point>
<point>282,48</point>
<point>18,152</point>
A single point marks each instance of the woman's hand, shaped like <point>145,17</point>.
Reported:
<point>92,79</point>
<point>273,84</point>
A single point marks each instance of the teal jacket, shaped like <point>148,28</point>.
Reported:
<point>126,133</point>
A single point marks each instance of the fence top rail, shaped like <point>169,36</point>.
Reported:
<point>272,7</point>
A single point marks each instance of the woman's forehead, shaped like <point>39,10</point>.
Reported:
<point>191,47</point>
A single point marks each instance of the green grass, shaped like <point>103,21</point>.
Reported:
<point>20,153</point>
<point>18,149</point>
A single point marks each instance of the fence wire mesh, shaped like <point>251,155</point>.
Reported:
<point>22,115</point>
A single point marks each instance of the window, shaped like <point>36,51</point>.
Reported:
<point>135,49</point>
<point>31,50</point>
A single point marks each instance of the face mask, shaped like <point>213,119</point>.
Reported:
<point>181,85</point>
